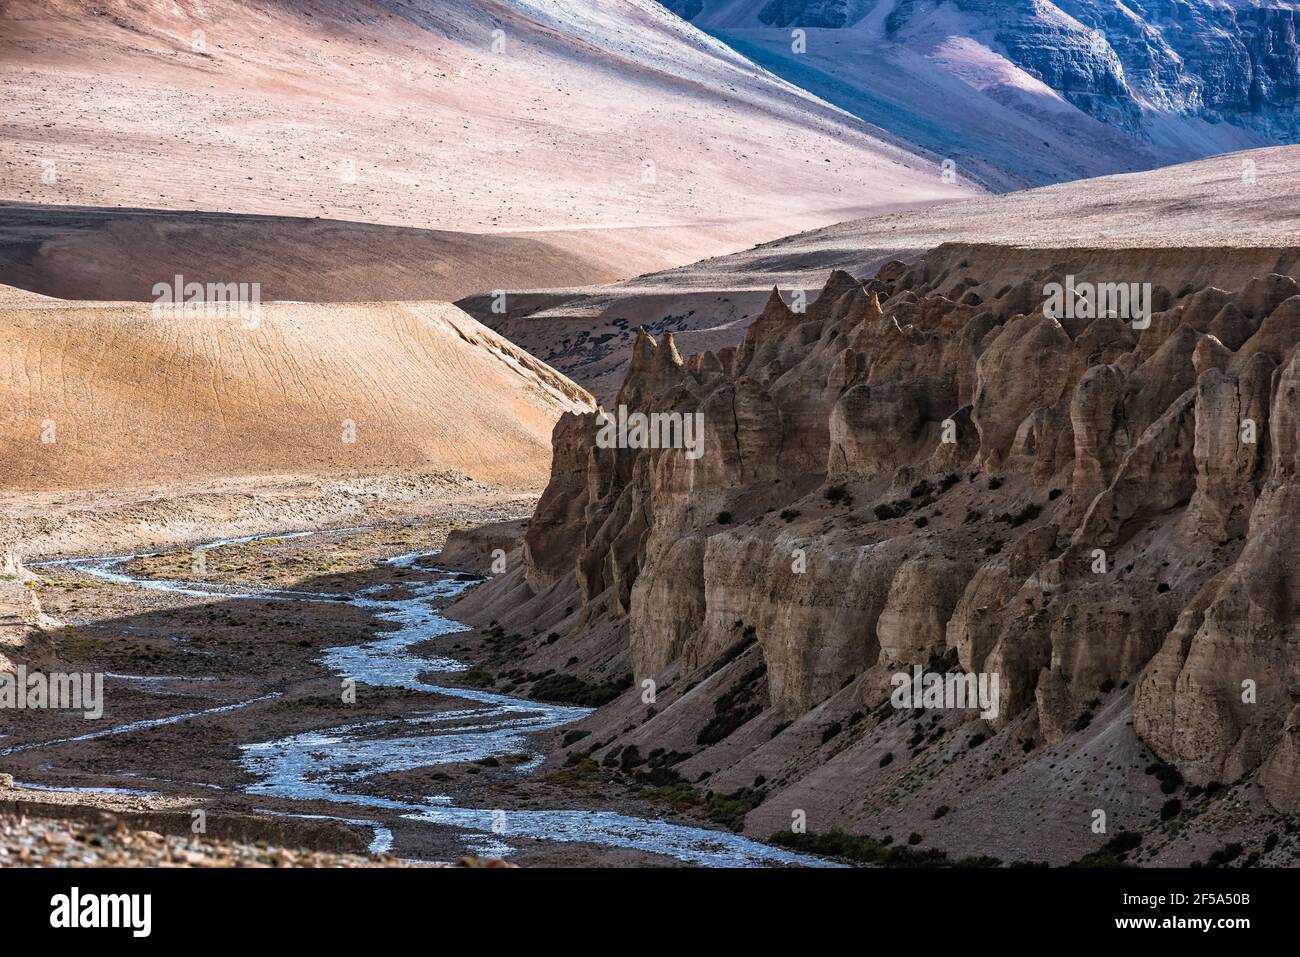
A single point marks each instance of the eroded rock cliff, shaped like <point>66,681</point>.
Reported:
<point>927,471</point>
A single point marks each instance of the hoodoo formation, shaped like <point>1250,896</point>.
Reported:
<point>924,469</point>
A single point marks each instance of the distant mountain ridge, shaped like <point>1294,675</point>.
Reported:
<point>615,135</point>
<point>1175,79</point>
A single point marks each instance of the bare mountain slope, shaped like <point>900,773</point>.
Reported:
<point>119,254</point>
<point>924,472</point>
<point>1028,92</point>
<point>614,133</point>
<point>110,395</point>
<point>1192,211</point>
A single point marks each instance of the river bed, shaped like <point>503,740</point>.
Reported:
<point>332,764</point>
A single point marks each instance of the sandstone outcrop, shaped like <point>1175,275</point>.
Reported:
<point>1101,516</point>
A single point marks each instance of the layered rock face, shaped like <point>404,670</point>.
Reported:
<point>921,468</point>
<point>1123,62</point>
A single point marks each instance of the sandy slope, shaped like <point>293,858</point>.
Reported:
<point>1237,200</point>
<point>615,133</point>
<point>77,252</point>
<point>130,398</point>
<point>118,254</point>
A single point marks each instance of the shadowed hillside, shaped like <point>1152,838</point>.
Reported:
<point>115,395</point>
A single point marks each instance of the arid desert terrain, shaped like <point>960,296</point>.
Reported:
<point>970,540</point>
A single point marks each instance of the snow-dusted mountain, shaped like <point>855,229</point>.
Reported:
<point>1034,89</point>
